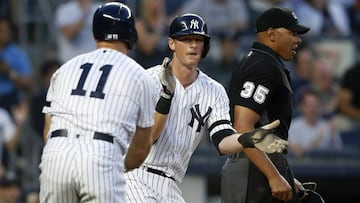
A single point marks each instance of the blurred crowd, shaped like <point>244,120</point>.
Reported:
<point>325,71</point>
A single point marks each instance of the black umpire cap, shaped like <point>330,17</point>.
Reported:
<point>279,17</point>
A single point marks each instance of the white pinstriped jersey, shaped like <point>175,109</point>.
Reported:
<point>203,106</point>
<point>103,91</point>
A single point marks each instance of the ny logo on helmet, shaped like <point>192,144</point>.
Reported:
<point>194,24</point>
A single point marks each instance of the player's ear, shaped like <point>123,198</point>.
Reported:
<point>171,43</point>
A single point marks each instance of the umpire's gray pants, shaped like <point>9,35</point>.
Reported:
<point>234,191</point>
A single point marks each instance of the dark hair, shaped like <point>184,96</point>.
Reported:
<point>303,91</point>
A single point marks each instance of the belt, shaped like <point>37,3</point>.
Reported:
<point>158,172</point>
<point>97,135</point>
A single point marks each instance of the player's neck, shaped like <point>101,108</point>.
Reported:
<point>116,45</point>
<point>185,75</point>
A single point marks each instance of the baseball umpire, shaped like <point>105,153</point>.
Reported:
<point>199,104</point>
<point>99,116</point>
<point>260,92</point>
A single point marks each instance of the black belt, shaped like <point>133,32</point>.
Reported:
<point>97,135</point>
<point>158,172</point>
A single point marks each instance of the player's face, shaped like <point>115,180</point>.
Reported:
<point>286,43</point>
<point>188,49</point>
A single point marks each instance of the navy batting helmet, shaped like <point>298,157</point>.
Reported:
<point>114,21</point>
<point>190,24</point>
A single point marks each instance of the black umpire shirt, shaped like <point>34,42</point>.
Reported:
<point>262,83</point>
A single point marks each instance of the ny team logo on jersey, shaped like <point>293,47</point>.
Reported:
<point>196,115</point>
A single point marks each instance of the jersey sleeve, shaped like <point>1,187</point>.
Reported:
<point>147,102</point>
<point>51,93</point>
<point>255,87</point>
<point>219,125</point>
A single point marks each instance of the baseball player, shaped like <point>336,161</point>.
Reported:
<point>260,92</point>
<point>99,115</point>
<point>198,104</point>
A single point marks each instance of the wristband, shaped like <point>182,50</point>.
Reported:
<point>163,105</point>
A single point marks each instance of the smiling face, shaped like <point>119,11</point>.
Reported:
<point>187,49</point>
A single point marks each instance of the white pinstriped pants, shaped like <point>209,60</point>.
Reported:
<point>81,169</point>
<point>146,187</point>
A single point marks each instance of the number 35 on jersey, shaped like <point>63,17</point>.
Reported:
<point>258,93</point>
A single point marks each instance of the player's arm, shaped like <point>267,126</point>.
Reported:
<point>163,105</point>
<point>227,141</point>
<point>262,138</point>
<point>159,124</point>
<point>46,127</point>
<point>244,121</point>
<point>139,148</point>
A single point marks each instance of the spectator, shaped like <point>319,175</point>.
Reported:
<point>222,68</point>
<point>10,131</point>
<point>303,62</point>
<point>326,18</point>
<point>309,132</point>
<point>10,190</point>
<point>349,99</point>
<point>31,195</point>
<point>74,22</point>
<point>258,6</point>
<point>15,68</point>
<point>324,84</point>
<point>7,134</point>
<point>231,15</point>
<point>152,33</point>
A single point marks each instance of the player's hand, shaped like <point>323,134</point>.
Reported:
<point>167,79</point>
<point>264,139</point>
<point>280,188</point>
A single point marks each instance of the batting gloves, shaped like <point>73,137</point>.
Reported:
<point>264,139</point>
<point>168,83</point>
